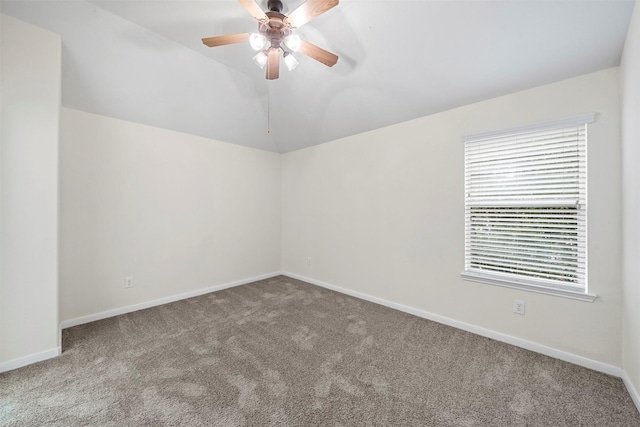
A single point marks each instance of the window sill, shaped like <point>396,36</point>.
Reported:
<point>476,277</point>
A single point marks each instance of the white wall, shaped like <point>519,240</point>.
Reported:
<point>29,194</point>
<point>382,213</point>
<point>630,84</point>
<point>177,212</point>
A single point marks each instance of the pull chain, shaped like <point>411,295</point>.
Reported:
<point>268,112</point>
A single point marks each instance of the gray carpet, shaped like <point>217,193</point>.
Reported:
<point>283,352</point>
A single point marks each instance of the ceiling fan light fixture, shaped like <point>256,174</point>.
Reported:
<point>292,41</point>
<point>257,41</point>
<point>274,38</point>
<point>261,59</point>
<point>290,61</point>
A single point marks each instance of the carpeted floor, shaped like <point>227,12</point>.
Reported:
<point>283,352</point>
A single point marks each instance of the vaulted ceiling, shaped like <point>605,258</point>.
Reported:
<point>144,61</point>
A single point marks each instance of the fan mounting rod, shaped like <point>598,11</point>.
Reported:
<point>275,6</point>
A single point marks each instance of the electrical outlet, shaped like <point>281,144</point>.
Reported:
<point>518,306</point>
<point>308,260</point>
<point>128,282</point>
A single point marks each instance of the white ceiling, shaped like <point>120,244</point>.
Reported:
<point>144,61</point>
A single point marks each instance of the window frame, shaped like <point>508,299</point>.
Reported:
<point>512,280</point>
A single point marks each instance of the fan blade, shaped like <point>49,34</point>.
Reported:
<point>273,64</point>
<point>309,10</point>
<point>317,53</point>
<point>228,39</point>
<point>254,9</point>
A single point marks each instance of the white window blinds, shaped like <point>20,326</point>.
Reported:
<point>525,205</point>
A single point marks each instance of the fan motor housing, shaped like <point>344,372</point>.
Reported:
<point>275,30</point>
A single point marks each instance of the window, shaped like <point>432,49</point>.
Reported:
<point>526,208</point>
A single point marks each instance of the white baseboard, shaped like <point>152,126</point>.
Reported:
<point>631,389</point>
<point>160,301</point>
<point>28,360</point>
<point>498,336</point>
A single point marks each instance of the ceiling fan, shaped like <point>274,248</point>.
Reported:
<point>275,35</point>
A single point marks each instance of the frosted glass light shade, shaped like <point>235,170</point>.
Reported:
<point>261,59</point>
<point>292,41</point>
<point>257,41</point>
<point>290,61</point>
